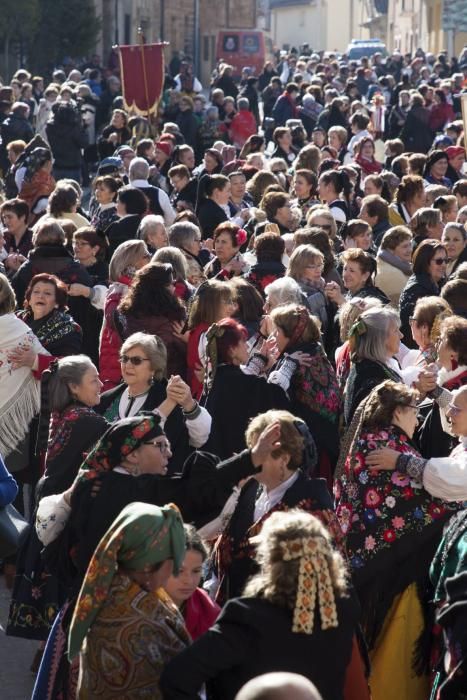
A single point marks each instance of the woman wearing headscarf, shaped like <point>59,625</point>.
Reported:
<point>35,182</point>
<point>295,614</point>
<point>123,613</point>
<point>126,466</point>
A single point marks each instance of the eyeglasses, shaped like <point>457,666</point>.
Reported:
<point>412,319</point>
<point>135,361</point>
<point>326,227</point>
<point>164,447</point>
<point>440,261</point>
<point>319,266</point>
<point>453,409</point>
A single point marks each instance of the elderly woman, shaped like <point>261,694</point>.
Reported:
<point>122,607</point>
<point>143,360</point>
<point>393,262</point>
<point>349,313</point>
<point>19,395</point>
<point>358,275</point>
<point>174,256</point>
<point>187,236</point>
<point>392,527</point>
<point>72,388</point>
<point>271,626</point>
<point>424,325</point>
<point>150,305</point>
<point>152,231</point>
<point>127,259</point>
<point>282,484</point>
<point>374,340</point>
<point>306,266</point>
<point>429,269</point>
<point>269,251</point>
<point>51,255</point>
<point>435,169</point>
<point>228,239</point>
<point>46,315</point>
<point>435,435</point>
<point>455,239</point>
<point>126,466</point>
<point>304,372</point>
<point>322,218</point>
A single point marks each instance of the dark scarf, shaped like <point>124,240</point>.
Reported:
<point>50,329</point>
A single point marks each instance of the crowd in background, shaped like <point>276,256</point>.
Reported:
<point>233,379</point>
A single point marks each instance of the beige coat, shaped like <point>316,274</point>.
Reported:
<point>391,280</point>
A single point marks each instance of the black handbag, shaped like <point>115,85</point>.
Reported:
<point>13,530</point>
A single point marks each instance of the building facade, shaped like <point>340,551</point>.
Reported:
<point>189,26</point>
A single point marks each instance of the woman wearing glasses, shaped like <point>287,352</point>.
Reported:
<point>392,527</point>
<point>306,266</point>
<point>125,467</point>
<point>143,362</point>
<point>429,269</point>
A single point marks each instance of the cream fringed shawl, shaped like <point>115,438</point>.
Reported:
<point>19,390</point>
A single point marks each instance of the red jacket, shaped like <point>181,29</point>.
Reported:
<point>110,341</point>
<point>243,126</point>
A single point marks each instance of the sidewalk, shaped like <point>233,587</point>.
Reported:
<point>16,680</point>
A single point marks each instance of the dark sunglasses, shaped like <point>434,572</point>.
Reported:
<point>135,361</point>
<point>440,261</point>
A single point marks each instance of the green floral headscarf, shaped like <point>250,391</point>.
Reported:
<point>141,536</point>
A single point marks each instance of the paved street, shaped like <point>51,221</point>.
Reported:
<point>16,681</point>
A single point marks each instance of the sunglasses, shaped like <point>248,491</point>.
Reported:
<point>135,361</point>
<point>164,447</point>
<point>440,261</point>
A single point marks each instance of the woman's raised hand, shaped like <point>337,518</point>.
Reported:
<point>268,441</point>
<point>180,392</point>
<point>22,358</point>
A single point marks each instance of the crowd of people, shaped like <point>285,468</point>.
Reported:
<point>233,380</point>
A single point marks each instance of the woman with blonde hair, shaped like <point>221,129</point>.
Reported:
<point>295,614</point>
<point>306,266</point>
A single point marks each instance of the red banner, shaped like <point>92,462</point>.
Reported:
<point>142,76</point>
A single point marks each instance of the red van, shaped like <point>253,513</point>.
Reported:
<point>240,48</point>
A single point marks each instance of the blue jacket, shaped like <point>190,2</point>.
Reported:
<point>8,486</point>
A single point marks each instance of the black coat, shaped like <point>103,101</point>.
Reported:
<point>363,377</point>
<point>55,260</point>
<point>417,286</point>
<point>174,428</point>
<point>416,132</point>
<point>200,494</point>
<point>124,229</point>
<point>66,142</point>
<point>254,636</point>
<point>210,215</point>
<point>237,556</point>
<point>235,398</point>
